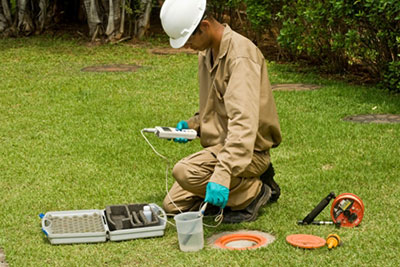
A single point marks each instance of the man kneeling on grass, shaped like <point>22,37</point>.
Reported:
<point>237,120</point>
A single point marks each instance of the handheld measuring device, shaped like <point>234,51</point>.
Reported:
<point>171,133</point>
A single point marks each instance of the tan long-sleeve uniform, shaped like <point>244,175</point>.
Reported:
<point>237,122</point>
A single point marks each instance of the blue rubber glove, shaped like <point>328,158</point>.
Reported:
<point>216,194</point>
<point>181,125</point>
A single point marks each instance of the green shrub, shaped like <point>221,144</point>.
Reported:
<point>263,14</point>
<point>220,8</point>
<point>334,33</point>
<point>391,78</point>
<point>356,31</point>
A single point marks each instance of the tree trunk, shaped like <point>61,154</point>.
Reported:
<point>92,17</point>
<point>5,15</point>
<point>43,4</point>
<point>105,18</point>
<point>144,18</point>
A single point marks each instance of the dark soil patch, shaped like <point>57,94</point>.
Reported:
<point>295,87</point>
<point>173,51</point>
<point>374,118</point>
<point>112,68</point>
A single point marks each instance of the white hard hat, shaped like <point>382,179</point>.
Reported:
<point>179,19</point>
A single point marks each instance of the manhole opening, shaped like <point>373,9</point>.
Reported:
<point>374,118</point>
<point>295,87</point>
<point>240,240</point>
<point>112,68</point>
<point>241,244</point>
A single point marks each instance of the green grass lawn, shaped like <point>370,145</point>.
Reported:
<point>70,140</point>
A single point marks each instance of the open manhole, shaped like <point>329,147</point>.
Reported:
<point>173,51</point>
<point>241,240</point>
<point>112,68</point>
<point>374,118</point>
<point>294,87</point>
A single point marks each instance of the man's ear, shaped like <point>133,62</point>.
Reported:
<point>205,25</point>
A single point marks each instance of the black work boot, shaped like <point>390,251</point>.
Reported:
<point>251,212</point>
<point>212,210</point>
<point>268,178</point>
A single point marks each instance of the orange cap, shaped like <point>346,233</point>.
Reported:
<point>333,240</point>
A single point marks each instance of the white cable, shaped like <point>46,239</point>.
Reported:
<point>166,169</point>
<point>218,218</point>
<point>165,219</point>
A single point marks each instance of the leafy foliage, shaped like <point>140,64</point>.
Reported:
<point>264,13</point>
<point>337,33</point>
<point>392,77</point>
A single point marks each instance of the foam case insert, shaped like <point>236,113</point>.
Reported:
<point>115,223</point>
<point>128,216</point>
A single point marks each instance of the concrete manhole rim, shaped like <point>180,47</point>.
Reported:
<point>3,261</point>
<point>112,68</point>
<point>295,87</point>
<point>255,239</point>
<point>373,118</point>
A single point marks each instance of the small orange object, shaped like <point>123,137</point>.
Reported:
<point>333,240</point>
<point>306,241</point>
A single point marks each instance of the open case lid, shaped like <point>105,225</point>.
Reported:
<point>75,226</point>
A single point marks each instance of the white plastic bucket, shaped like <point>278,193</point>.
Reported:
<point>189,226</point>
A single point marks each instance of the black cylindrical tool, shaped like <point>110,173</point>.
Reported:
<point>337,224</point>
<point>317,210</point>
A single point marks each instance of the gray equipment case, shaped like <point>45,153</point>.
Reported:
<point>115,223</point>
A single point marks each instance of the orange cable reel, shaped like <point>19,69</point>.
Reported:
<point>347,210</point>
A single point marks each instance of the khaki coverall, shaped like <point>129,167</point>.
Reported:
<point>237,122</point>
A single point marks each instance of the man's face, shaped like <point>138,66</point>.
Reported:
<point>199,40</point>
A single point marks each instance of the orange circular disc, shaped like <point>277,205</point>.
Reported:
<point>305,241</point>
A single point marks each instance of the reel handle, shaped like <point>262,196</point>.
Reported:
<point>317,210</point>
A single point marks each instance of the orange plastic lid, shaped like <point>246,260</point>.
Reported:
<point>305,241</point>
